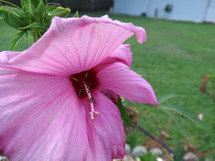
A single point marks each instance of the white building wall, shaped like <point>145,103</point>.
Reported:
<point>130,7</point>
<point>210,16</point>
<point>186,10</point>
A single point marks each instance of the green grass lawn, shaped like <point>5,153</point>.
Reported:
<point>173,59</point>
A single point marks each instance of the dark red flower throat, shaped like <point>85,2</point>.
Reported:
<point>82,81</point>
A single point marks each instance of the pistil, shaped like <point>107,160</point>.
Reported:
<point>90,100</point>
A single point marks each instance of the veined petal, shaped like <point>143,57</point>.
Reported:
<point>39,114</point>
<point>122,54</point>
<point>105,133</point>
<point>74,45</point>
<point>128,84</point>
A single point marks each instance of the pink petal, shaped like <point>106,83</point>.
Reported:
<point>106,133</point>
<point>128,84</point>
<point>73,45</point>
<point>122,54</point>
<point>40,118</point>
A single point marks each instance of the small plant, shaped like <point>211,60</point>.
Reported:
<point>132,140</point>
<point>208,86</point>
<point>147,157</point>
<point>171,110</point>
<point>174,109</point>
<point>178,152</point>
<point>33,17</point>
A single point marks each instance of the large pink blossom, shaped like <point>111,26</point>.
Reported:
<point>55,96</point>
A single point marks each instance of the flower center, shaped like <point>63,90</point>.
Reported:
<point>84,83</point>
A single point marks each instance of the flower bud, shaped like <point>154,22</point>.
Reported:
<point>58,11</point>
<point>12,16</point>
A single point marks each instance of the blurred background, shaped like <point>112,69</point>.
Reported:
<point>81,5</point>
<point>192,10</point>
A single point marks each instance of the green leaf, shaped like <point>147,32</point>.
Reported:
<point>8,20</point>
<point>132,140</point>
<point>178,151</point>
<point>40,11</point>
<point>147,157</point>
<point>212,76</point>
<point>184,113</point>
<point>16,39</point>
<point>123,112</point>
<point>76,14</point>
<point>26,36</point>
<point>178,124</point>
<point>24,4</point>
<point>34,25</point>
<point>29,5</point>
<point>165,98</point>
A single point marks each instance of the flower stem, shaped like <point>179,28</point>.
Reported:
<point>155,139</point>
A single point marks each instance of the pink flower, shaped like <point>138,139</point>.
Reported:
<point>53,103</point>
<point>200,116</point>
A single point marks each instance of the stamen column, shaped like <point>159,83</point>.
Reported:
<point>91,101</point>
